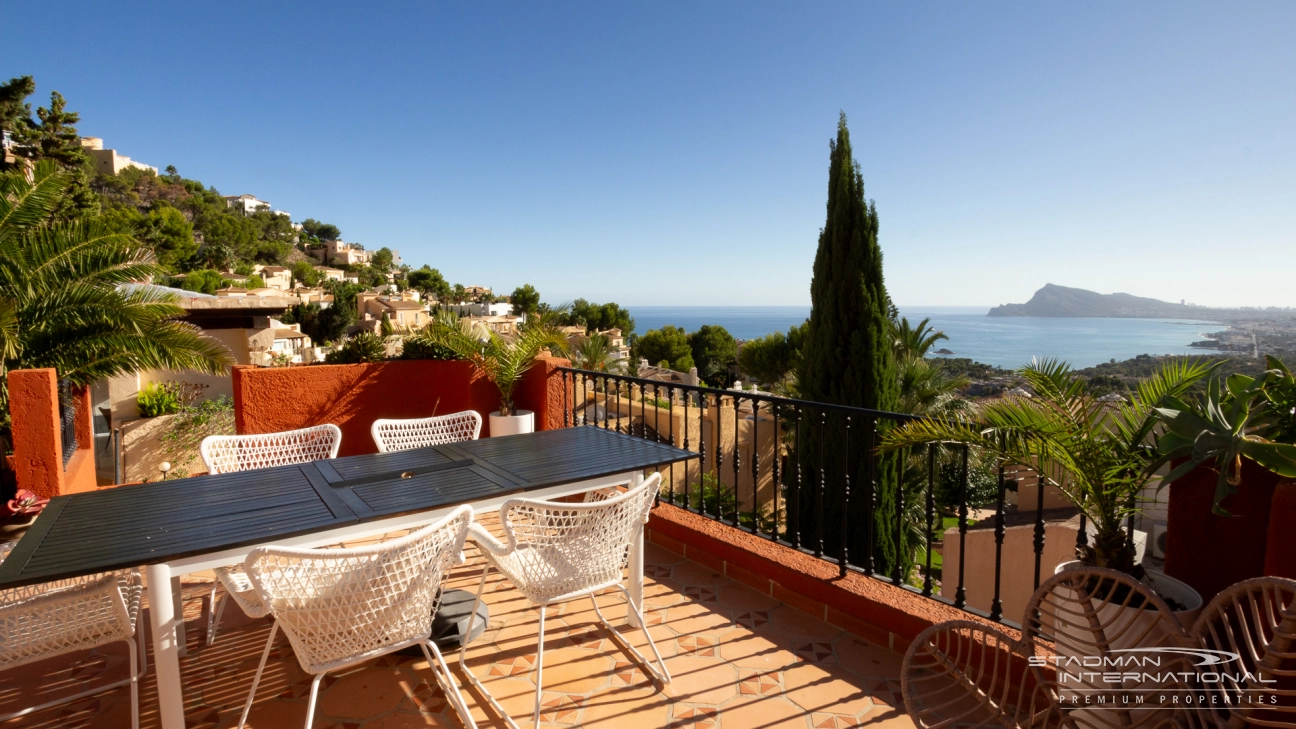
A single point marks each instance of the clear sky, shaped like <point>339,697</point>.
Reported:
<point>676,153</point>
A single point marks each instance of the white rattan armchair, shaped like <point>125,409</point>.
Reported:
<point>340,607</point>
<point>230,453</point>
<point>55,618</point>
<point>399,435</point>
<point>558,551</point>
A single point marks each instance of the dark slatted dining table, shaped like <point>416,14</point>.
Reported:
<point>182,526</point>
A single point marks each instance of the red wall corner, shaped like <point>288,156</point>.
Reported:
<point>37,444</point>
<point>1280,549</point>
<point>541,390</point>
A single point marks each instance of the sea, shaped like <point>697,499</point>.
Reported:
<point>1007,342</point>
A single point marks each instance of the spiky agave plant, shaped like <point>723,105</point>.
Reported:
<point>1100,456</point>
<point>69,297</point>
<point>503,360</point>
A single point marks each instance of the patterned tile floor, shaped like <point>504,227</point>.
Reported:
<point>739,660</point>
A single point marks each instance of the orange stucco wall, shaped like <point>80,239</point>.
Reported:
<point>37,442</point>
<point>352,397</point>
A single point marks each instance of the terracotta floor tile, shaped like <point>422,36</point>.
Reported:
<point>866,659</point>
<point>760,650</point>
<point>366,693</point>
<point>796,625</point>
<point>694,717</point>
<point>692,573</point>
<point>742,599</point>
<point>624,708</point>
<point>826,689</point>
<point>701,680</point>
<point>576,671</point>
<point>761,712</point>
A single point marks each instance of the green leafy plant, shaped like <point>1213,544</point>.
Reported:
<point>712,497</point>
<point>363,347</point>
<point>1242,417</point>
<point>420,346</point>
<point>1095,452</point>
<point>158,398</point>
<point>192,424</point>
<point>503,361</point>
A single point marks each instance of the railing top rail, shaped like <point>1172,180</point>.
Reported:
<point>746,395</point>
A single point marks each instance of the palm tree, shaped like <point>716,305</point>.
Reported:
<point>503,360</point>
<point>70,298</point>
<point>914,341</point>
<point>595,354</point>
<point>1096,454</point>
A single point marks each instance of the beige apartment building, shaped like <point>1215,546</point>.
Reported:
<point>108,161</point>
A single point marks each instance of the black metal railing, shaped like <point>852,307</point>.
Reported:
<point>807,475</point>
<point>67,420</point>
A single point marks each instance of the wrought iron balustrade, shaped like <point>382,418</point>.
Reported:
<point>807,475</point>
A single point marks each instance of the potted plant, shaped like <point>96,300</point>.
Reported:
<point>503,360</point>
<point>19,512</point>
<point>1097,453</point>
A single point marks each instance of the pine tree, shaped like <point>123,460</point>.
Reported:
<point>847,359</point>
<point>55,137</point>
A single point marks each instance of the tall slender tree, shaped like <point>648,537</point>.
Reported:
<point>848,359</point>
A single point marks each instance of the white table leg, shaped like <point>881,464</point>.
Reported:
<point>635,566</point>
<point>166,651</point>
<point>177,603</point>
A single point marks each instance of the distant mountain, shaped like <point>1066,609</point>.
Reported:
<point>1060,301</point>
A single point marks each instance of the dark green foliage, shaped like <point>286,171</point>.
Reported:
<point>417,346</point>
<point>14,109</point>
<point>204,281</point>
<point>53,135</point>
<point>847,359</point>
<point>381,260</point>
<point>305,274</point>
<point>320,231</point>
<point>670,344</point>
<point>322,325</point>
<point>385,325</point>
<point>773,357</point>
<point>718,499</point>
<point>600,317</point>
<point>363,347</point>
<point>714,351</point>
<point>964,367</point>
<point>525,300</point>
<point>429,282</point>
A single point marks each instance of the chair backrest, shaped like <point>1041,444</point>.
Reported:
<point>340,606</point>
<point>966,674</point>
<point>575,547</point>
<point>229,453</point>
<point>1091,616</point>
<point>399,435</point>
<point>1256,621</point>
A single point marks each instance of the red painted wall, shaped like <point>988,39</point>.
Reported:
<point>37,438</point>
<point>1280,549</point>
<point>1212,552</point>
<point>352,397</point>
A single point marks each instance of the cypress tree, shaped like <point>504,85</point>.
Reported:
<point>847,359</point>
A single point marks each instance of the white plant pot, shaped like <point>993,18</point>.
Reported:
<point>523,422</point>
<point>1136,631</point>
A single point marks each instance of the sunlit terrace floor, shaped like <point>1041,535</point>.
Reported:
<point>739,659</point>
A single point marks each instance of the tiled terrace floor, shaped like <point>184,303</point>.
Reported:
<point>739,660</point>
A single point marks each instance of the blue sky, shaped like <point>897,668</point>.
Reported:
<point>676,153</point>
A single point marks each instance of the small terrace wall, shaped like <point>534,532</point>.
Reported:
<point>37,436</point>
<point>271,399</point>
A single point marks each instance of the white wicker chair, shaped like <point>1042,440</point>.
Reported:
<point>230,453</point>
<point>341,607</point>
<point>56,618</point>
<point>401,435</point>
<point>558,551</point>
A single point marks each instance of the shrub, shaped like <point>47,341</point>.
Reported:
<point>158,398</point>
<point>363,347</point>
<point>195,422</point>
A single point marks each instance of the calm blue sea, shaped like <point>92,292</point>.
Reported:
<point>1001,341</point>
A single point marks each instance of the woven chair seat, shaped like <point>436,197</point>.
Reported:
<point>238,586</point>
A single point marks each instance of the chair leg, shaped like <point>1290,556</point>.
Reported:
<point>265,654</point>
<point>314,694</point>
<point>463,663</point>
<point>135,677</point>
<point>438,665</point>
<point>215,612</point>
<point>539,668</point>
<point>660,673</point>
